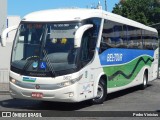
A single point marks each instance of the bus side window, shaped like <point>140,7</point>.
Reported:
<point>105,44</point>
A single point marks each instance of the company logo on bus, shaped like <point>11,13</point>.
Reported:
<point>35,64</point>
<point>37,87</point>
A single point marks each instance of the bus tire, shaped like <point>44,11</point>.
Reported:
<point>145,81</point>
<point>101,93</point>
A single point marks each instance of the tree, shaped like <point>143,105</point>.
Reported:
<point>143,11</point>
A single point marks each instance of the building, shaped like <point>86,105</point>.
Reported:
<point>5,52</point>
<point>3,25</point>
<point>11,21</point>
<point>3,15</point>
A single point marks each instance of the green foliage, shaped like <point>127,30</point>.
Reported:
<point>143,11</point>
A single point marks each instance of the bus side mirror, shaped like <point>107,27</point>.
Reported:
<point>79,34</point>
<point>5,32</point>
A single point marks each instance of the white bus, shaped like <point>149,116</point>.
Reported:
<point>72,55</point>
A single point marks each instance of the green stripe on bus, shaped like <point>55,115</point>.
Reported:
<point>122,75</point>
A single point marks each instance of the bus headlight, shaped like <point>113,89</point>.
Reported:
<point>68,83</point>
<point>12,80</point>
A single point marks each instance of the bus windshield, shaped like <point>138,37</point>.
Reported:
<point>44,48</point>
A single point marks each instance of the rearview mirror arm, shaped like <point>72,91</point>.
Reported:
<point>5,32</point>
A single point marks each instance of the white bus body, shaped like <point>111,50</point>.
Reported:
<point>72,55</point>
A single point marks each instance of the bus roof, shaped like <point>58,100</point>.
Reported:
<point>63,15</point>
<point>55,15</point>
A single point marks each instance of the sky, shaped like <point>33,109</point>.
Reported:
<point>23,7</point>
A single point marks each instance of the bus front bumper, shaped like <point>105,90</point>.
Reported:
<point>65,94</point>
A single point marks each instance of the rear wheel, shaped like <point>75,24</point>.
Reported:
<point>101,93</point>
<point>145,81</point>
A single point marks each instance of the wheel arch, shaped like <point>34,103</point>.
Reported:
<point>101,76</point>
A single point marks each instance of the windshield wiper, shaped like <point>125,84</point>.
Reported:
<point>46,55</point>
<point>49,63</point>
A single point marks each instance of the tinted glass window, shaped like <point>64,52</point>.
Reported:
<point>116,35</point>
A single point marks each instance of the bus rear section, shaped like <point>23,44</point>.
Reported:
<point>128,54</point>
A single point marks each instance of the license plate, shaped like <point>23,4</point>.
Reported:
<point>37,95</point>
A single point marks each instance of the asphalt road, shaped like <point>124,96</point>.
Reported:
<point>132,99</point>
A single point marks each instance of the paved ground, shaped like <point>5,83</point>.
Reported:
<point>127,100</point>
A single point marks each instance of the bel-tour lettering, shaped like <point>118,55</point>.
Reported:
<point>116,57</point>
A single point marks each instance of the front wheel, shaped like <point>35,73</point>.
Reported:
<point>101,93</point>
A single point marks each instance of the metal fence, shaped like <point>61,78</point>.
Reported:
<point>4,80</point>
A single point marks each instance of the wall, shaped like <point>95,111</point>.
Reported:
<point>11,21</point>
<point>5,53</point>
<point>3,15</point>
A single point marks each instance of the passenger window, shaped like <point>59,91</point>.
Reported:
<point>150,40</point>
<point>112,36</point>
<point>116,35</point>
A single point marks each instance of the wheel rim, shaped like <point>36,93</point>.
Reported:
<point>100,92</point>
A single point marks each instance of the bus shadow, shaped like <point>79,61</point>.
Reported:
<point>18,104</point>
<point>124,92</point>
